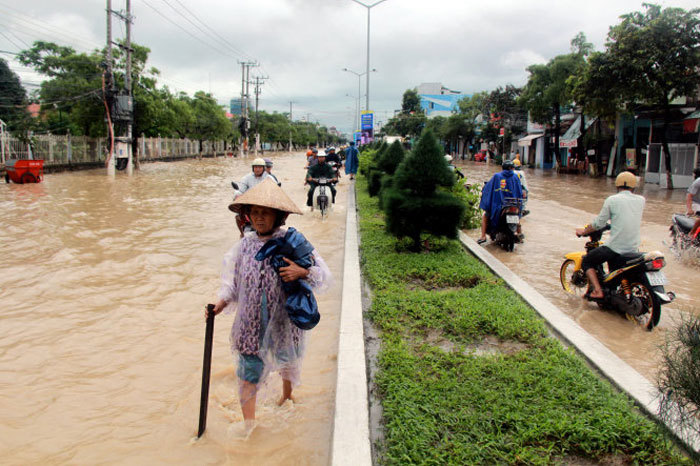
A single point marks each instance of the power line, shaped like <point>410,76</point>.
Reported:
<point>184,30</point>
<point>231,46</point>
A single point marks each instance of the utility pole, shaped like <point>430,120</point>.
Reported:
<point>127,85</point>
<point>258,82</point>
<point>119,104</point>
<point>109,84</point>
<point>244,124</point>
<point>290,125</point>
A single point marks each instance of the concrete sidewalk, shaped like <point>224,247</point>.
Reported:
<point>351,442</point>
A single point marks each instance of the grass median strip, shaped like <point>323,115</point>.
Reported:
<point>468,374</point>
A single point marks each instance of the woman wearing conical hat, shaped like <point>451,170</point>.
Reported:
<point>263,338</point>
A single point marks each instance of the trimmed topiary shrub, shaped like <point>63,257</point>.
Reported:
<point>413,205</point>
<point>374,181</point>
<point>391,158</point>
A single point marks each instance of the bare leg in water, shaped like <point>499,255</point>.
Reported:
<point>248,399</point>
<point>286,392</point>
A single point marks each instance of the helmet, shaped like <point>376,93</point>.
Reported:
<point>352,143</point>
<point>268,162</point>
<point>508,165</point>
<point>448,157</point>
<point>626,180</point>
<point>330,149</point>
<point>258,162</point>
<point>314,150</point>
<point>322,154</point>
<point>516,162</point>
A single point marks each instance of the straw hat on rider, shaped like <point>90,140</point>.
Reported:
<point>265,194</point>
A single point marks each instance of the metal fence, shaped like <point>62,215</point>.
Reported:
<point>59,150</point>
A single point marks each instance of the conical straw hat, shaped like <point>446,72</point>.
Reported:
<point>266,194</point>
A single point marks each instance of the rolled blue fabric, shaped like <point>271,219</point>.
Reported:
<point>301,305</point>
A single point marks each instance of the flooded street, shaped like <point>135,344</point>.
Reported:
<point>103,283</point>
<point>561,203</point>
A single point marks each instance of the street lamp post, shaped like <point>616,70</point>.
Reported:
<point>359,92</point>
<point>369,7</point>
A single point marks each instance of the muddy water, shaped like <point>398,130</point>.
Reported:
<point>561,203</point>
<point>102,285</point>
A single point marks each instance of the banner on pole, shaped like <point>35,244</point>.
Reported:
<point>367,127</point>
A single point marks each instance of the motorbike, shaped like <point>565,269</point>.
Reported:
<point>506,232</point>
<point>242,222</point>
<point>680,241</point>
<point>634,284</point>
<point>322,196</point>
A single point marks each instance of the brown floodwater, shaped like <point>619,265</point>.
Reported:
<point>561,203</point>
<point>103,283</point>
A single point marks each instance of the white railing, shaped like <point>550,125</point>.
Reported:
<point>58,150</point>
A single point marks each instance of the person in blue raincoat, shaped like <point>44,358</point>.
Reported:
<point>501,185</point>
<point>352,160</point>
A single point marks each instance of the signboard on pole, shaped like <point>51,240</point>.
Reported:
<point>367,127</point>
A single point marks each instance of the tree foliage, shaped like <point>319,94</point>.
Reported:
<point>13,98</point>
<point>651,58</point>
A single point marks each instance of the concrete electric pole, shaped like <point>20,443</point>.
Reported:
<point>258,82</point>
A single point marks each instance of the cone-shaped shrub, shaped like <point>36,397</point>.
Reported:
<point>374,181</point>
<point>425,168</point>
<point>391,158</point>
<point>412,204</point>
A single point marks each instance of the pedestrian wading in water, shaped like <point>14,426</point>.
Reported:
<point>263,337</point>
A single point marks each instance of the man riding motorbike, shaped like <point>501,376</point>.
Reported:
<point>268,169</point>
<point>523,182</point>
<point>624,211</point>
<point>334,159</point>
<point>320,170</point>
<point>312,159</point>
<point>692,202</point>
<point>252,179</point>
<point>247,182</point>
<point>501,185</point>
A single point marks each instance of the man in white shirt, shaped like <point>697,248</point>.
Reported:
<point>624,210</point>
<point>692,201</point>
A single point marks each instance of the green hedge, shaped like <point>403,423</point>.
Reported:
<point>467,373</point>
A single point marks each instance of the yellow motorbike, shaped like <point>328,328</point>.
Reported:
<point>634,284</point>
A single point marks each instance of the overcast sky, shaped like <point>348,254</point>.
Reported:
<point>303,45</point>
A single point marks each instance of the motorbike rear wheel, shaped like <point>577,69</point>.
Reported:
<point>573,281</point>
<point>651,304</point>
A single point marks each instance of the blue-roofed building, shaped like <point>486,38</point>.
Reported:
<point>437,100</point>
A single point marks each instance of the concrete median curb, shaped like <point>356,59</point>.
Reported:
<point>351,441</point>
<point>617,371</point>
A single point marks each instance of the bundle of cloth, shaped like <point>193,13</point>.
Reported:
<point>300,304</point>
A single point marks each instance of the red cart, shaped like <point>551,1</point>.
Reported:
<point>24,171</point>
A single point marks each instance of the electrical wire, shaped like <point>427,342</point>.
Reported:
<point>231,46</point>
<point>185,30</point>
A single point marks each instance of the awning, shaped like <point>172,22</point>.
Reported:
<point>527,139</point>
<point>570,138</point>
<point>695,114</point>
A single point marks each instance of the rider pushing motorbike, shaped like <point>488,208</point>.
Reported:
<point>320,170</point>
<point>624,211</point>
<point>501,185</point>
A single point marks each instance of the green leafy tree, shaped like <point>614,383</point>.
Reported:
<point>413,204</point>
<point>71,97</point>
<point>651,58</point>
<point>472,107</point>
<point>410,103</point>
<point>210,120</point>
<point>13,98</point>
